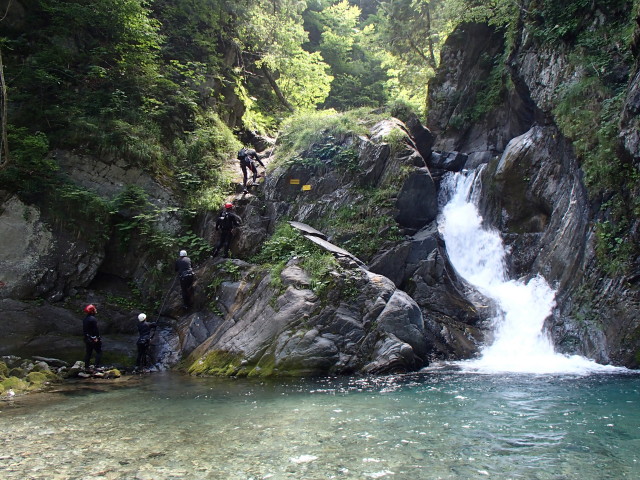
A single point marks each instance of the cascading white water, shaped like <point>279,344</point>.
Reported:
<point>520,343</point>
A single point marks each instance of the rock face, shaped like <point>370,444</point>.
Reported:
<point>533,186</point>
<point>362,324</point>
<point>40,260</point>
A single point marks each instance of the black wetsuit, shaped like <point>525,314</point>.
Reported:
<point>92,340</point>
<point>247,157</point>
<point>225,223</point>
<point>144,339</point>
<point>187,277</point>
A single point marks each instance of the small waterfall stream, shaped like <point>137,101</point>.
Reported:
<point>520,343</point>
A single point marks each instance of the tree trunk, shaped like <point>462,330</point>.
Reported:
<point>276,89</point>
<point>4,144</point>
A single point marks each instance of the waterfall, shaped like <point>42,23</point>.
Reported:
<point>478,254</point>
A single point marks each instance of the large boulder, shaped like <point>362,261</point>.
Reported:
<point>291,330</point>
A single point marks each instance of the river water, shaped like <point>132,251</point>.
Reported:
<point>433,425</point>
<point>519,411</point>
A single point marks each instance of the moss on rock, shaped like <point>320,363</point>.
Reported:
<point>218,363</point>
<point>14,383</point>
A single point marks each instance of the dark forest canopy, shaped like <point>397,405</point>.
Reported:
<point>122,71</point>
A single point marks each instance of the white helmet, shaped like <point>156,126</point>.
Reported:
<point>142,317</point>
<point>183,253</point>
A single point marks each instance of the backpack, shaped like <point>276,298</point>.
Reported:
<point>227,221</point>
<point>244,157</point>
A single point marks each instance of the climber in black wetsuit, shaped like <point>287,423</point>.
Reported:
<point>92,339</point>
<point>227,221</point>
<point>187,277</point>
<point>247,157</point>
<point>144,338</point>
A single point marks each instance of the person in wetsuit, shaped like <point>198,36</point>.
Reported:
<point>187,277</point>
<point>144,338</point>
<point>247,158</point>
<point>92,339</point>
<point>226,222</point>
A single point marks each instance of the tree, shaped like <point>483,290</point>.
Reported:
<point>408,29</point>
<point>271,34</point>
<point>342,35</point>
<point>4,143</point>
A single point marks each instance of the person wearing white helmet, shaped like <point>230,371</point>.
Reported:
<point>144,338</point>
<point>187,277</point>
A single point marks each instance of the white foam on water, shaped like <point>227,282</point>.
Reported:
<point>520,343</point>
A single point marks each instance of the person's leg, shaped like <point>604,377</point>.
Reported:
<point>140,356</point>
<point>146,359</point>
<point>219,244</point>
<point>254,169</point>
<point>190,291</point>
<point>244,176</point>
<point>98,348</point>
<point>184,286</point>
<point>227,243</point>
<point>88,346</point>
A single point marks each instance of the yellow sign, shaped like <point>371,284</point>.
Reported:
<point>306,187</point>
<point>294,181</point>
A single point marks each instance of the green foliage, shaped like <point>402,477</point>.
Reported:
<point>31,171</point>
<point>274,35</point>
<point>34,176</point>
<point>200,160</point>
<point>108,65</point>
<point>553,22</point>
<point>330,151</point>
<point>285,243</point>
<point>365,226</point>
<point>135,217</point>
<point>318,266</point>
<point>587,113</point>
<point>288,243</point>
<point>402,109</point>
<point>613,248</point>
<point>301,131</point>
<point>231,269</point>
<point>339,32</point>
<point>491,92</point>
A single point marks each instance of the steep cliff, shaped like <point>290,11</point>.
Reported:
<point>561,207</point>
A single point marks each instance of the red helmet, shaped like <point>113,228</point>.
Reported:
<point>90,309</point>
<point>228,205</point>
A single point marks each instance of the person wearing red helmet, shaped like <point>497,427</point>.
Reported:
<point>92,340</point>
<point>226,223</point>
